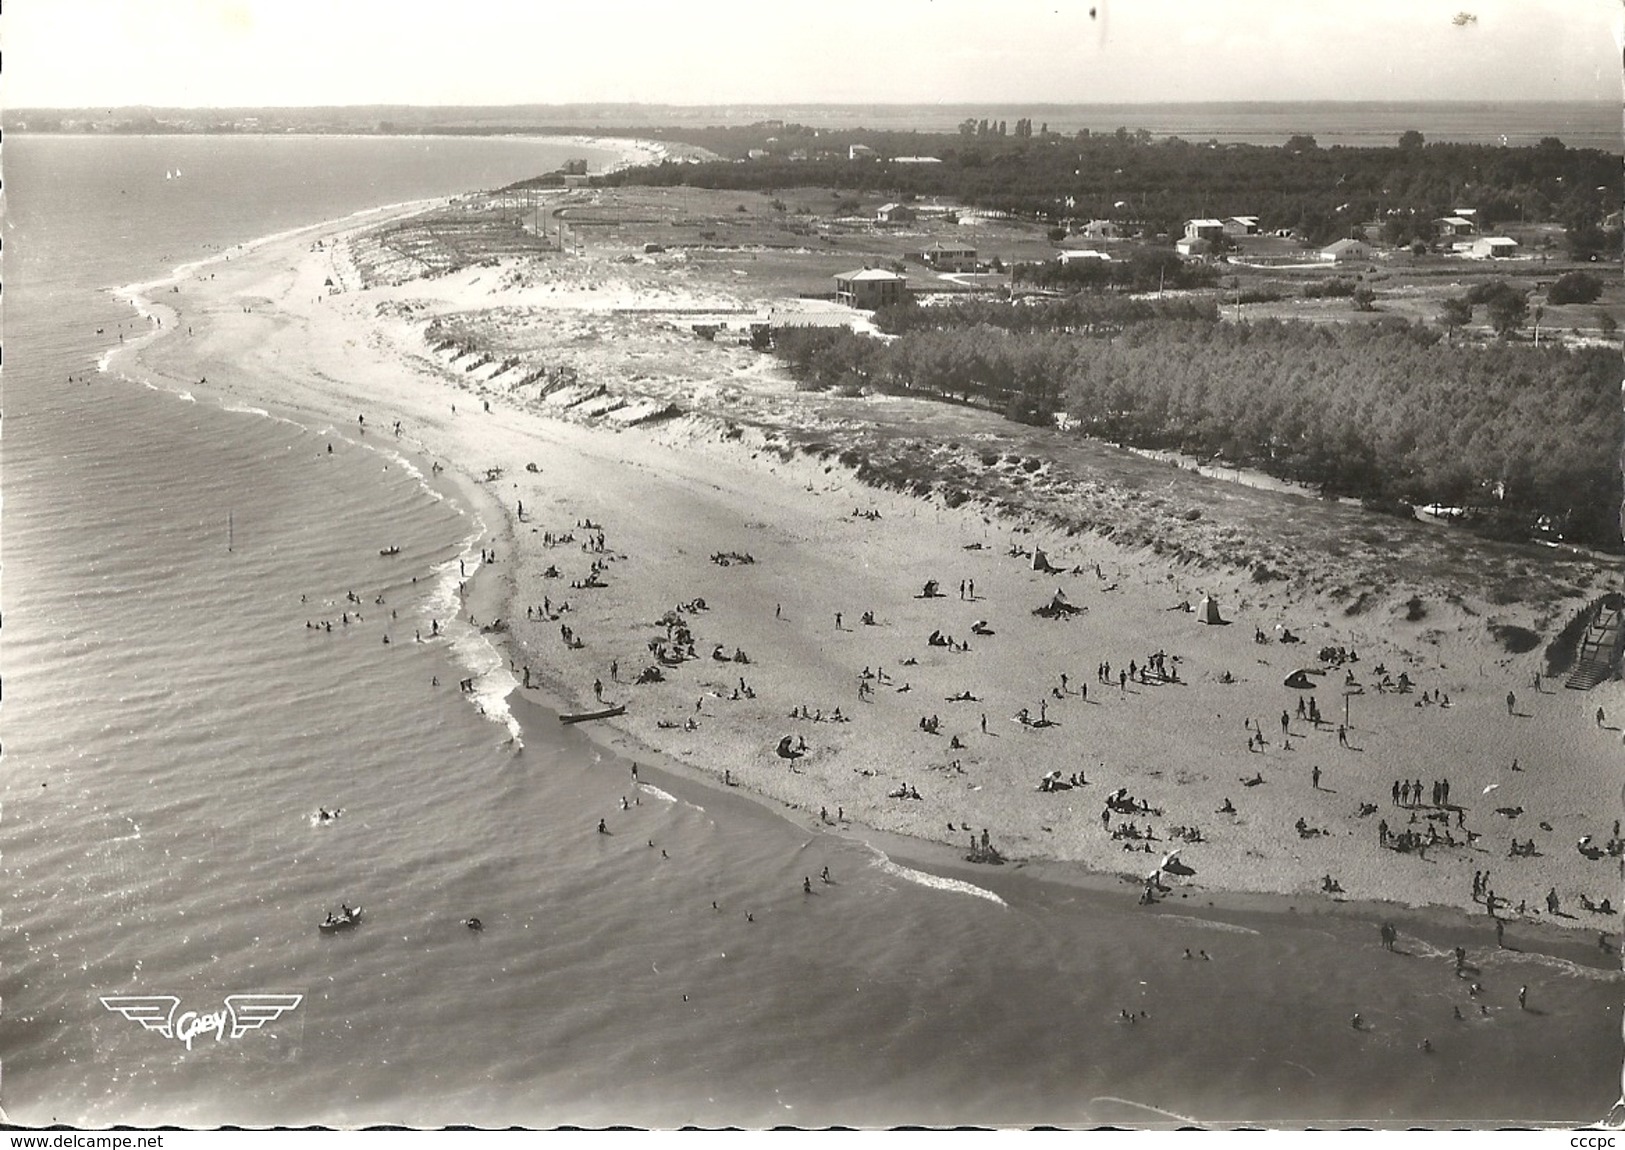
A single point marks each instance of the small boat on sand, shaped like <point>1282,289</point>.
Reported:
<point>588,716</point>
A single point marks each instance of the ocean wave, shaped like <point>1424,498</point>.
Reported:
<point>933,881</point>
<point>472,649</point>
<point>1147,1107</point>
<point>651,789</point>
<point>1210,924</point>
<point>1561,965</point>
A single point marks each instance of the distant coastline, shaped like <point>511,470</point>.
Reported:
<point>1580,124</point>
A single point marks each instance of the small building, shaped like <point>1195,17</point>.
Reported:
<point>950,257</point>
<point>1102,230</point>
<point>894,213</point>
<point>1189,246</point>
<point>1493,248</point>
<point>1081,255</point>
<point>757,154</point>
<point>915,160</point>
<point>1346,251</point>
<point>1204,229</point>
<point>1453,226</point>
<point>860,152</point>
<point>870,288</point>
<point>1241,226</point>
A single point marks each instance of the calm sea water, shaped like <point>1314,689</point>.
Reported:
<point>172,725</point>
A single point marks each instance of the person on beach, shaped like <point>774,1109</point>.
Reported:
<point>1314,777</point>
<point>1523,997</point>
<point>1512,702</point>
<point>602,829</point>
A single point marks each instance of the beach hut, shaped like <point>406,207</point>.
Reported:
<point>1209,612</point>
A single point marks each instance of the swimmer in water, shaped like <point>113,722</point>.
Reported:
<point>602,829</point>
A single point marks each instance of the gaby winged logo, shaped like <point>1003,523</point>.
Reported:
<point>162,1013</point>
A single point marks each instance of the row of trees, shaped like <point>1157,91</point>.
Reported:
<point>1146,270</point>
<point>1527,439</point>
<point>985,128</point>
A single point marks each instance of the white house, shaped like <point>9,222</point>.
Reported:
<point>1493,247</point>
<point>894,213</point>
<point>1204,229</point>
<point>1454,226</point>
<point>1345,251</point>
<point>1072,257</point>
<point>1241,226</point>
<point>1192,246</point>
<point>950,257</point>
<point>860,152</point>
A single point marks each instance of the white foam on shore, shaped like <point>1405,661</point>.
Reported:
<point>1561,965</point>
<point>651,789</point>
<point>1188,1121</point>
<point>471,648</point>
<point>932,881</point>
<point>1209,923</point>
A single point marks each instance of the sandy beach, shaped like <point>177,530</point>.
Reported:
<point>864,658</point>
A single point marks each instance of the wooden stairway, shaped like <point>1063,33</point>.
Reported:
<point>1599,650</point>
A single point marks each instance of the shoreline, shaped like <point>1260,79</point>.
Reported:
<point>520,645</point>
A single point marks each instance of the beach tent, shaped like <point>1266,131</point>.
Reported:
<point>1057,607</point>
<point>1040,563</point>
<point>1300,680</point>
<point>1209,612</point>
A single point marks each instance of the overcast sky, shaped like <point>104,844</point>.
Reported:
<point>222,53</point>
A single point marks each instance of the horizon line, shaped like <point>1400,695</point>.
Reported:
<point>1461,102</point>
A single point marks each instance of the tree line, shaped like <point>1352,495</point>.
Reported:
<point>1524,440</point>
<point>1321,193</point>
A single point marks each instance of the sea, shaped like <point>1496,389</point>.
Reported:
<point>172,727</point>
